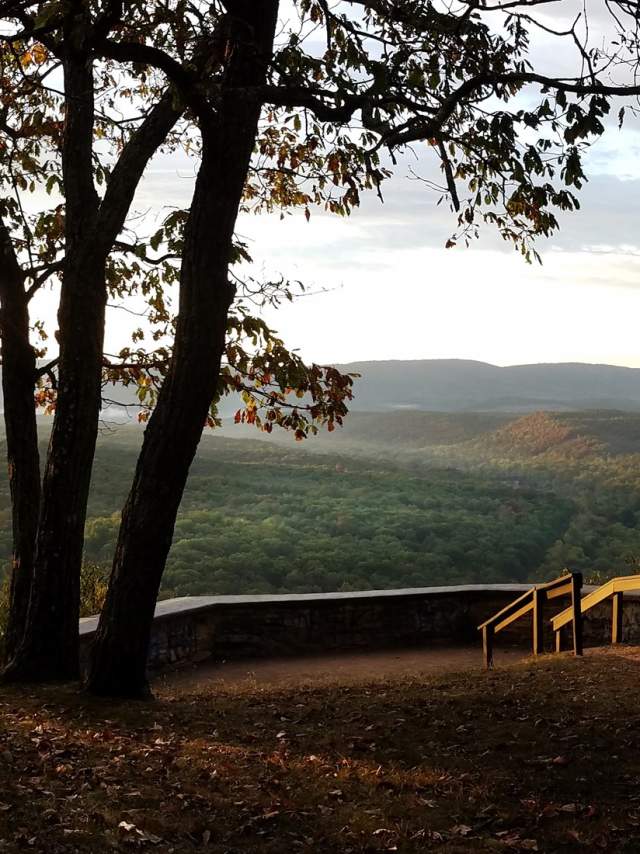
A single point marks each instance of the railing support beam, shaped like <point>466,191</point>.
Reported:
<point>576,605</point>
<point>487,646</point>
<point>538,601</point>
<point>616,618</point>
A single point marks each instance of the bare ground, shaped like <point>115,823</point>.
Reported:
<point>536,756</point>
<point>346,668</point>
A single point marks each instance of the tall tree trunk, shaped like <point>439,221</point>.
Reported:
<point>18,381</point>
<point>119,655</point>
<point>49,650</point>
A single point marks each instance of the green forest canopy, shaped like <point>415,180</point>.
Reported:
<point>511,499</point>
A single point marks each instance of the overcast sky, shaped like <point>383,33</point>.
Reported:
<point>394,292</point>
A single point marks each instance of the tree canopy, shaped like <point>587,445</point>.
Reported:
<point>282,106</point>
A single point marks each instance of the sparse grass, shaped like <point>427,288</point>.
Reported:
<point>542,756</point>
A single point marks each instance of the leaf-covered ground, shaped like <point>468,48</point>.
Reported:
<point>543,756</point>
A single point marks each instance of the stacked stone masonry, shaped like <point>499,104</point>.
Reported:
<point>192,629</point>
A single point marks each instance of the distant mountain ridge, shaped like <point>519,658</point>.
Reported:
<point>461,385</point>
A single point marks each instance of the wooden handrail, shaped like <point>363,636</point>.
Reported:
<point>558,587</point>
<point>508,609</point>
<point>587,602</point>
<point>533,600</point>
<point>614,588</point>
<point>562,581</point>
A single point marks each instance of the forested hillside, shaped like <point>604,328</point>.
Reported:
<point>393,500</point>
<point>591,459</point>
<point>261,519</point>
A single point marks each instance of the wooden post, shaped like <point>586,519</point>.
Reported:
<point>558,640</point>
<point>538,600</point>
<point>576,587</point>
<point>487,646</point>
<point>616,618</point>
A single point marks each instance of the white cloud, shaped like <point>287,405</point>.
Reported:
<point>395,292</point>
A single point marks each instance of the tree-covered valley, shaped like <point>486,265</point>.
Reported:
<point>392,500</point>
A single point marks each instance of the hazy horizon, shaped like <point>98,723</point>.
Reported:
<point>483,362</point>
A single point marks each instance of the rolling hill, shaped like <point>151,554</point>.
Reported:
<point>403,494</point>
<point>457,385</point>
<point>460,438</point>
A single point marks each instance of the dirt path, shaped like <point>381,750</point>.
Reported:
<point>345,667</point>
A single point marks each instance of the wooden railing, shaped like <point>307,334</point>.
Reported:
<point>614,589</point>
<point>533,601</point>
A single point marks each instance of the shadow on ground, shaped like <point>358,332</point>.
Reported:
<point>540,756</point>
<point>345,668</point>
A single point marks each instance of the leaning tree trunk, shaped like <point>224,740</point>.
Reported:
<point>18,381</point>
<point>119,654</point>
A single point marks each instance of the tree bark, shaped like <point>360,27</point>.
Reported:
<point>18,382</point>
<point>119,654</point>
<point>49,650</point>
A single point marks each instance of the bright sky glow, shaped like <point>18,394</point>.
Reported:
<point>394,291</point>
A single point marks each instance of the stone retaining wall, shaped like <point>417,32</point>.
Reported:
<point>232,627</point>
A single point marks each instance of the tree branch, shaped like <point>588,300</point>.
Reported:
<point>431,128</point>
<point>186,81</point>
<point>448,172</point>
<point>108,19</point>
<point>122,246</point>
<point>47,370</point>
<point>131,164</point>
<point>44,273</point>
